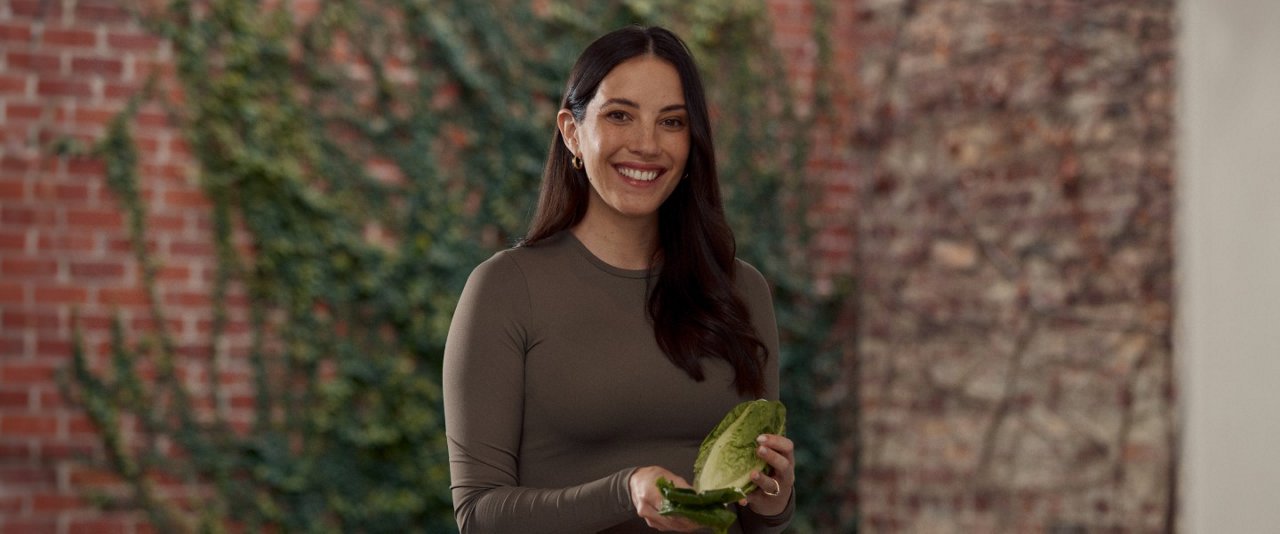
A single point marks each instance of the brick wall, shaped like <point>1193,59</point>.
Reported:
<point>830,169</point>
<point>998,175</point>
<point>1015,190</point>
<point>66,69</point>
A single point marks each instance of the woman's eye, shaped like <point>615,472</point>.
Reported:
<point>673,122</point>
<point>616,115</point>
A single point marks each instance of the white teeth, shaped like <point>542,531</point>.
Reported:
<point>636,174</point>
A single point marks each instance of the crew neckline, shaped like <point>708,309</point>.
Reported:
<point>601,264</point>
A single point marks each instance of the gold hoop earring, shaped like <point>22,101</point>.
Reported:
<point>576,162</point>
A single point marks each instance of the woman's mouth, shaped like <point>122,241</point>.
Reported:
<point>639,175</point>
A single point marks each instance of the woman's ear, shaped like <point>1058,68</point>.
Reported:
<point>568,130</point>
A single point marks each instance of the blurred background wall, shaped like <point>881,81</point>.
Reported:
<point>67,69</point>
<point>1015,263</point>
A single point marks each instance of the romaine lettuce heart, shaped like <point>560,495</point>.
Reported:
<point>722,472</point>
<point>728,454</point>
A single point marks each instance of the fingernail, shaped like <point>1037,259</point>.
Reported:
<point>761,438</point>
<point>763,450</point>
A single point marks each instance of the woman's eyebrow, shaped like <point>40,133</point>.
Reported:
<point>632,104</point>
<point>621,102</point>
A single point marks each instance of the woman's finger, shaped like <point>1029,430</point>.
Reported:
<point>774,489</point>
<point>782,444</point>
<point>781,463</point>
<point>768,486</point>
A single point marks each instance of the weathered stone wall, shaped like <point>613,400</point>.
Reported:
<point>1014,248</point>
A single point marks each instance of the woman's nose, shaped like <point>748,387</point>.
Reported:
<point>644,140</point>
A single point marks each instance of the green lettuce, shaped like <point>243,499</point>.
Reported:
<point>711,511</point>
<point>722,472</point>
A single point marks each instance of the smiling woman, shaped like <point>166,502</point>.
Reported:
<point>591,360</point>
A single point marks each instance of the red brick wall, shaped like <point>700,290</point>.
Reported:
<point>831,162</point>
<point>66,69</point>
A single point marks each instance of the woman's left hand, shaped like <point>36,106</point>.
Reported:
<point>773,490</point>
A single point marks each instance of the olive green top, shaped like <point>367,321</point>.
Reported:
<point>555,390</point>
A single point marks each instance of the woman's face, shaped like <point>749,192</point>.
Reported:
<point>633,138</point>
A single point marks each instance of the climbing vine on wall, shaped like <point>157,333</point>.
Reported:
<point>352,274</point>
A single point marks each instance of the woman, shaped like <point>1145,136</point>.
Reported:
<point>593,359</point>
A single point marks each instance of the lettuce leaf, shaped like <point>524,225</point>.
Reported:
<point>722,472</point>
<point>708,509</point>
<point>728,454</point>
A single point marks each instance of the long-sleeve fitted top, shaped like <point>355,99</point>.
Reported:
<point>556,390</point>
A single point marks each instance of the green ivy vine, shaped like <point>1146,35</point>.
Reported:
<point>283,115</point>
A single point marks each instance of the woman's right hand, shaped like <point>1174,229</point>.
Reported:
<point>646,499</point>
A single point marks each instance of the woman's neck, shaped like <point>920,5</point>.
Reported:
<point>626,243</point>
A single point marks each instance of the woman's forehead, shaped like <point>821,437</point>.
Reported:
<point>643,81</point>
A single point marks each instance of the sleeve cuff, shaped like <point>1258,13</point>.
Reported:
<point>753,522</point>
<point>622,488</point>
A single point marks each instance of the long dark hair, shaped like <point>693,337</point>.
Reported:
<point>694,307</point>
